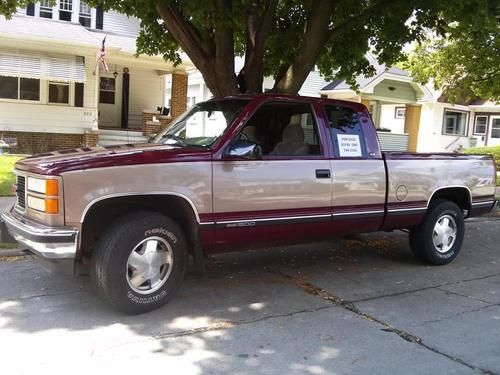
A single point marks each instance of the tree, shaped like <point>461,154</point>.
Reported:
<point>284,38</point>
<point>464,65</point>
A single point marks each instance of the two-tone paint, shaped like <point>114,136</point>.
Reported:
<point>250,203</point>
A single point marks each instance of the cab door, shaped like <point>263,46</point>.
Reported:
<point>284,196</point>
<point>358,170</point>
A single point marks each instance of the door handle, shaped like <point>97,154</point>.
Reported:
<point>322,173</point>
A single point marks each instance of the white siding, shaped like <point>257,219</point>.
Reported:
<point>21,11</point>
<point>42,117</point>
<point>430,137</point>
<point>313,83</point>
<point>120,23</point>
<point>146,92</point>
<point>387,119</point>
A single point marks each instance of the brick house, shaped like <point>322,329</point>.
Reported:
<point>54,95</point>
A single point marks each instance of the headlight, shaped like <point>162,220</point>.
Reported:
<point>44,195</point>
<point>47,187</point>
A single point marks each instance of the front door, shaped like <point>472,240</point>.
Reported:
<point>285,196</point>
<point>109,101</point>
<point>494,132</point>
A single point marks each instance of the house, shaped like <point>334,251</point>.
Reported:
<point>198,90</point>
<point>54,94</point>
<point>414,117</point>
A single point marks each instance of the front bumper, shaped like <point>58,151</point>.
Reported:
<point>54,247</point>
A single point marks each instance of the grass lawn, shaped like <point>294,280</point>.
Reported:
<point>6,175</point>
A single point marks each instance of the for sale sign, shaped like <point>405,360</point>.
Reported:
<point>349,145</point>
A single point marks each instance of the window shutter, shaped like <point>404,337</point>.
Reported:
<point>99,18</point>
<point>78,94</point>
<point>30,9</point>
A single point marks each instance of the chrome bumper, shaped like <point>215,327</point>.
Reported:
<point>55,247</point>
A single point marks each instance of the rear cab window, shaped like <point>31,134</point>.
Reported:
<point>346,131</point>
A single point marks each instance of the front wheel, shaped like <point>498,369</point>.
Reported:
<point>139,262</point>
<point>438,239</point>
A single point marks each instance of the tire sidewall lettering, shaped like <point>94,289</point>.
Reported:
<point>165,232</point>
<point>146,299</point>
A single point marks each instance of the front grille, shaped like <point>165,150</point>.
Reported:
<point>21,188</point>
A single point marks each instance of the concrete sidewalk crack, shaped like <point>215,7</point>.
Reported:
<point>424,288</point>
<point>302,283</point>
<point>41,295</point>
<point>225,324</point>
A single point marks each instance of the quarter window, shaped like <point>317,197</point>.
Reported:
<point>19,88</point>
<point>346,131</point>
<point>480,125</point>
<point>455,122</point>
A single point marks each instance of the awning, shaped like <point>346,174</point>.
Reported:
<point>38,66</point>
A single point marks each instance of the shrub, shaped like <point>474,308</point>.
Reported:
<point>494,151</point>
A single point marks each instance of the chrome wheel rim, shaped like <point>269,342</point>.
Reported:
<point>444,233</point>
<point>149,265</point>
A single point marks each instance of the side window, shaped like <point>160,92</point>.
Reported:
<point>284,129</point>
<point>347,132</point>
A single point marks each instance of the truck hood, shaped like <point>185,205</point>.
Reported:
<point>58,162</point>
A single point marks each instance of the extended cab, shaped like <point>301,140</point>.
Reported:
<point>233,173</point>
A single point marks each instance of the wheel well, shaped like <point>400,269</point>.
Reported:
<point>457,195</point>
<point>104,212</point>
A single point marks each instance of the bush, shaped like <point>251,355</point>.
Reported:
<point>493,151</point>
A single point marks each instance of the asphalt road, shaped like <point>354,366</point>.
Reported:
<point>351,306</point>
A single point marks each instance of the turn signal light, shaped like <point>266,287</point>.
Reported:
<point>51,205</point>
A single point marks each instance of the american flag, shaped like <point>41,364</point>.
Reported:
<point>101,54</point>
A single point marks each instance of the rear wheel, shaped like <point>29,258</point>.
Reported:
<point>438,239</point>
<point>139,262</point>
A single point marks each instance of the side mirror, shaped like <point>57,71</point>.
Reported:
<point>244,149</point>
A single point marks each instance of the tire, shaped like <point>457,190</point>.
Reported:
<point>139,262</point>
<point>438,239</point>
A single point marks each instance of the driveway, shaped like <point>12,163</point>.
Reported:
<point>357,305</point>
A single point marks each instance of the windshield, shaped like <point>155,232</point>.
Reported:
<point>203,124</point>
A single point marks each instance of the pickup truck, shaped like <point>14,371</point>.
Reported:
<point>233,173</point>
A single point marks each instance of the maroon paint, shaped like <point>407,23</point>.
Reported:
<point>397,220</point>
<point>100,157</point>
<point>406,205</point>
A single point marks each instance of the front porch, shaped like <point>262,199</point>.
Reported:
<point>394,102</point>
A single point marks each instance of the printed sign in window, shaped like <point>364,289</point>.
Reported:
<point>349,145</point>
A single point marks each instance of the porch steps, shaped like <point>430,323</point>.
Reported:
<point>109,137</point>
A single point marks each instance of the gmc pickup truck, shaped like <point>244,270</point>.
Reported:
<point>232,173</point>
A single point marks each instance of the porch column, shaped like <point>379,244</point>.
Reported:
<point>412,125</point>
<point>179,94</point>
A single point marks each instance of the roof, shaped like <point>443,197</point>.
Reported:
<point>21,26</point>
<point>363,81</point>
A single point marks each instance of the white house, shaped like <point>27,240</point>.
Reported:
<point>198,90</point>
<point>54,95</point>
<point>414,117</point>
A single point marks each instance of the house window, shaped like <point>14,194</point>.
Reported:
<point>399,112</point>
<point>85,14</point>
<point>455,122</point>
<point>19,88</point>
<point>107,90</point>
<point>65,9</point>
<point>45,9</point>
<point>495,128</point>
<point>58,92</point>
<point>480,125</point>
